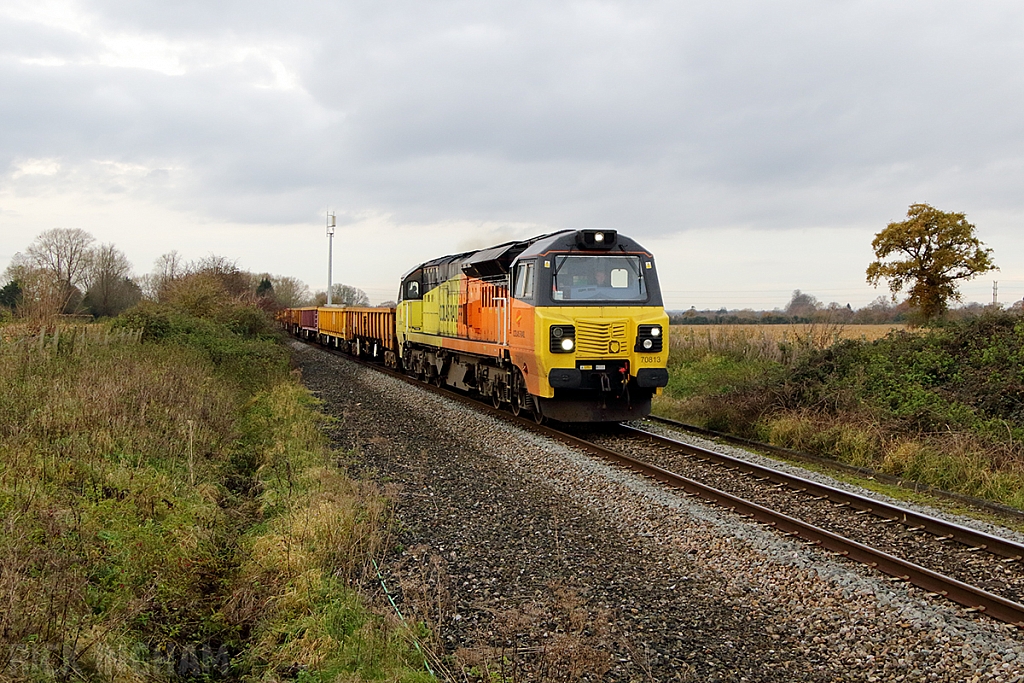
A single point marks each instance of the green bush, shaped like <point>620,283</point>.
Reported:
<point>968,376</point>
<point>243,348</point>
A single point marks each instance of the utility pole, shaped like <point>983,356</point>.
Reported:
<point>331,223</point>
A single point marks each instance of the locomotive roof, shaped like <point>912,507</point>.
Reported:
<point>569,240</point>
<point>496,259</point>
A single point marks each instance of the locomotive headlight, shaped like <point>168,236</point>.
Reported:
<point>599,237</point>
<point>649,338</point>
<point>562,339</point>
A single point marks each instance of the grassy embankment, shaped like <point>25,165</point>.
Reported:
<point>940,406</point>
<point>170,507</point>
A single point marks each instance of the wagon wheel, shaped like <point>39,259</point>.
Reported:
<point>438,379</point>
<point>538,416</point>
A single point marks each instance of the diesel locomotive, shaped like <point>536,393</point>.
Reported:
<point>568,326</point>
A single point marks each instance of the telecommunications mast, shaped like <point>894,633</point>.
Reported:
<point>331,223</point>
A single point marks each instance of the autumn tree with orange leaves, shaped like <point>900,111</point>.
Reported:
<point>930,253</point>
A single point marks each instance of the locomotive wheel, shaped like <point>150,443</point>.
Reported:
<point>496,399</point>
<point>517,405</point>
<point>530,404</point>
<point>438,380</point>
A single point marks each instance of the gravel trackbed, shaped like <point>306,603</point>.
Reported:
<point>530,561</point>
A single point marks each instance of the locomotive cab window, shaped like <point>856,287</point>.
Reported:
<point>598,278</point>
<point>524,283</point>
<point>412,288</point>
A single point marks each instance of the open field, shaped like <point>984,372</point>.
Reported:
<point>786,332</point>
<point>778,344</point>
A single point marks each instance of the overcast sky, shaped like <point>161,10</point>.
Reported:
<point>755,147</point>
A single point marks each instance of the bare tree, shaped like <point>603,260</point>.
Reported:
<point>64,252</point>
<point>167,268</point>
<point>290,292</point>
<point>41,295</point>
<point>170,266</point>
<point>344,295</point>
<point>802,305</point>
<point>61,255</point>
<point>235,280</point>
<point>111,289</point>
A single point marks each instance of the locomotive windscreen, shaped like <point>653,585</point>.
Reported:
<point>598,278</point>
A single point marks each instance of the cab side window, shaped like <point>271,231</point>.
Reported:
<point>412,286</point>
<point>524,284</point>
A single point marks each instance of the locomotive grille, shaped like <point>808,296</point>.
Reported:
<point>601,338</point>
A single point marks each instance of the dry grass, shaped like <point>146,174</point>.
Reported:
<point>766,343</point>
<point>952,461</point>
<point>791,333</point>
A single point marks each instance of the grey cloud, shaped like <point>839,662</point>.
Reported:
<point>20,39</point>
<point>655,115</point>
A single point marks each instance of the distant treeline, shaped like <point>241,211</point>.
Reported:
<point>804,308</point>
<point>63,272</point>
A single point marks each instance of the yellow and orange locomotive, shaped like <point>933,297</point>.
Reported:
<point>568,326</point>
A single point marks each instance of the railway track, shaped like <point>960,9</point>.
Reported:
<point>996,510</point>
<point>951,555</point>
<point>1002,557</point>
